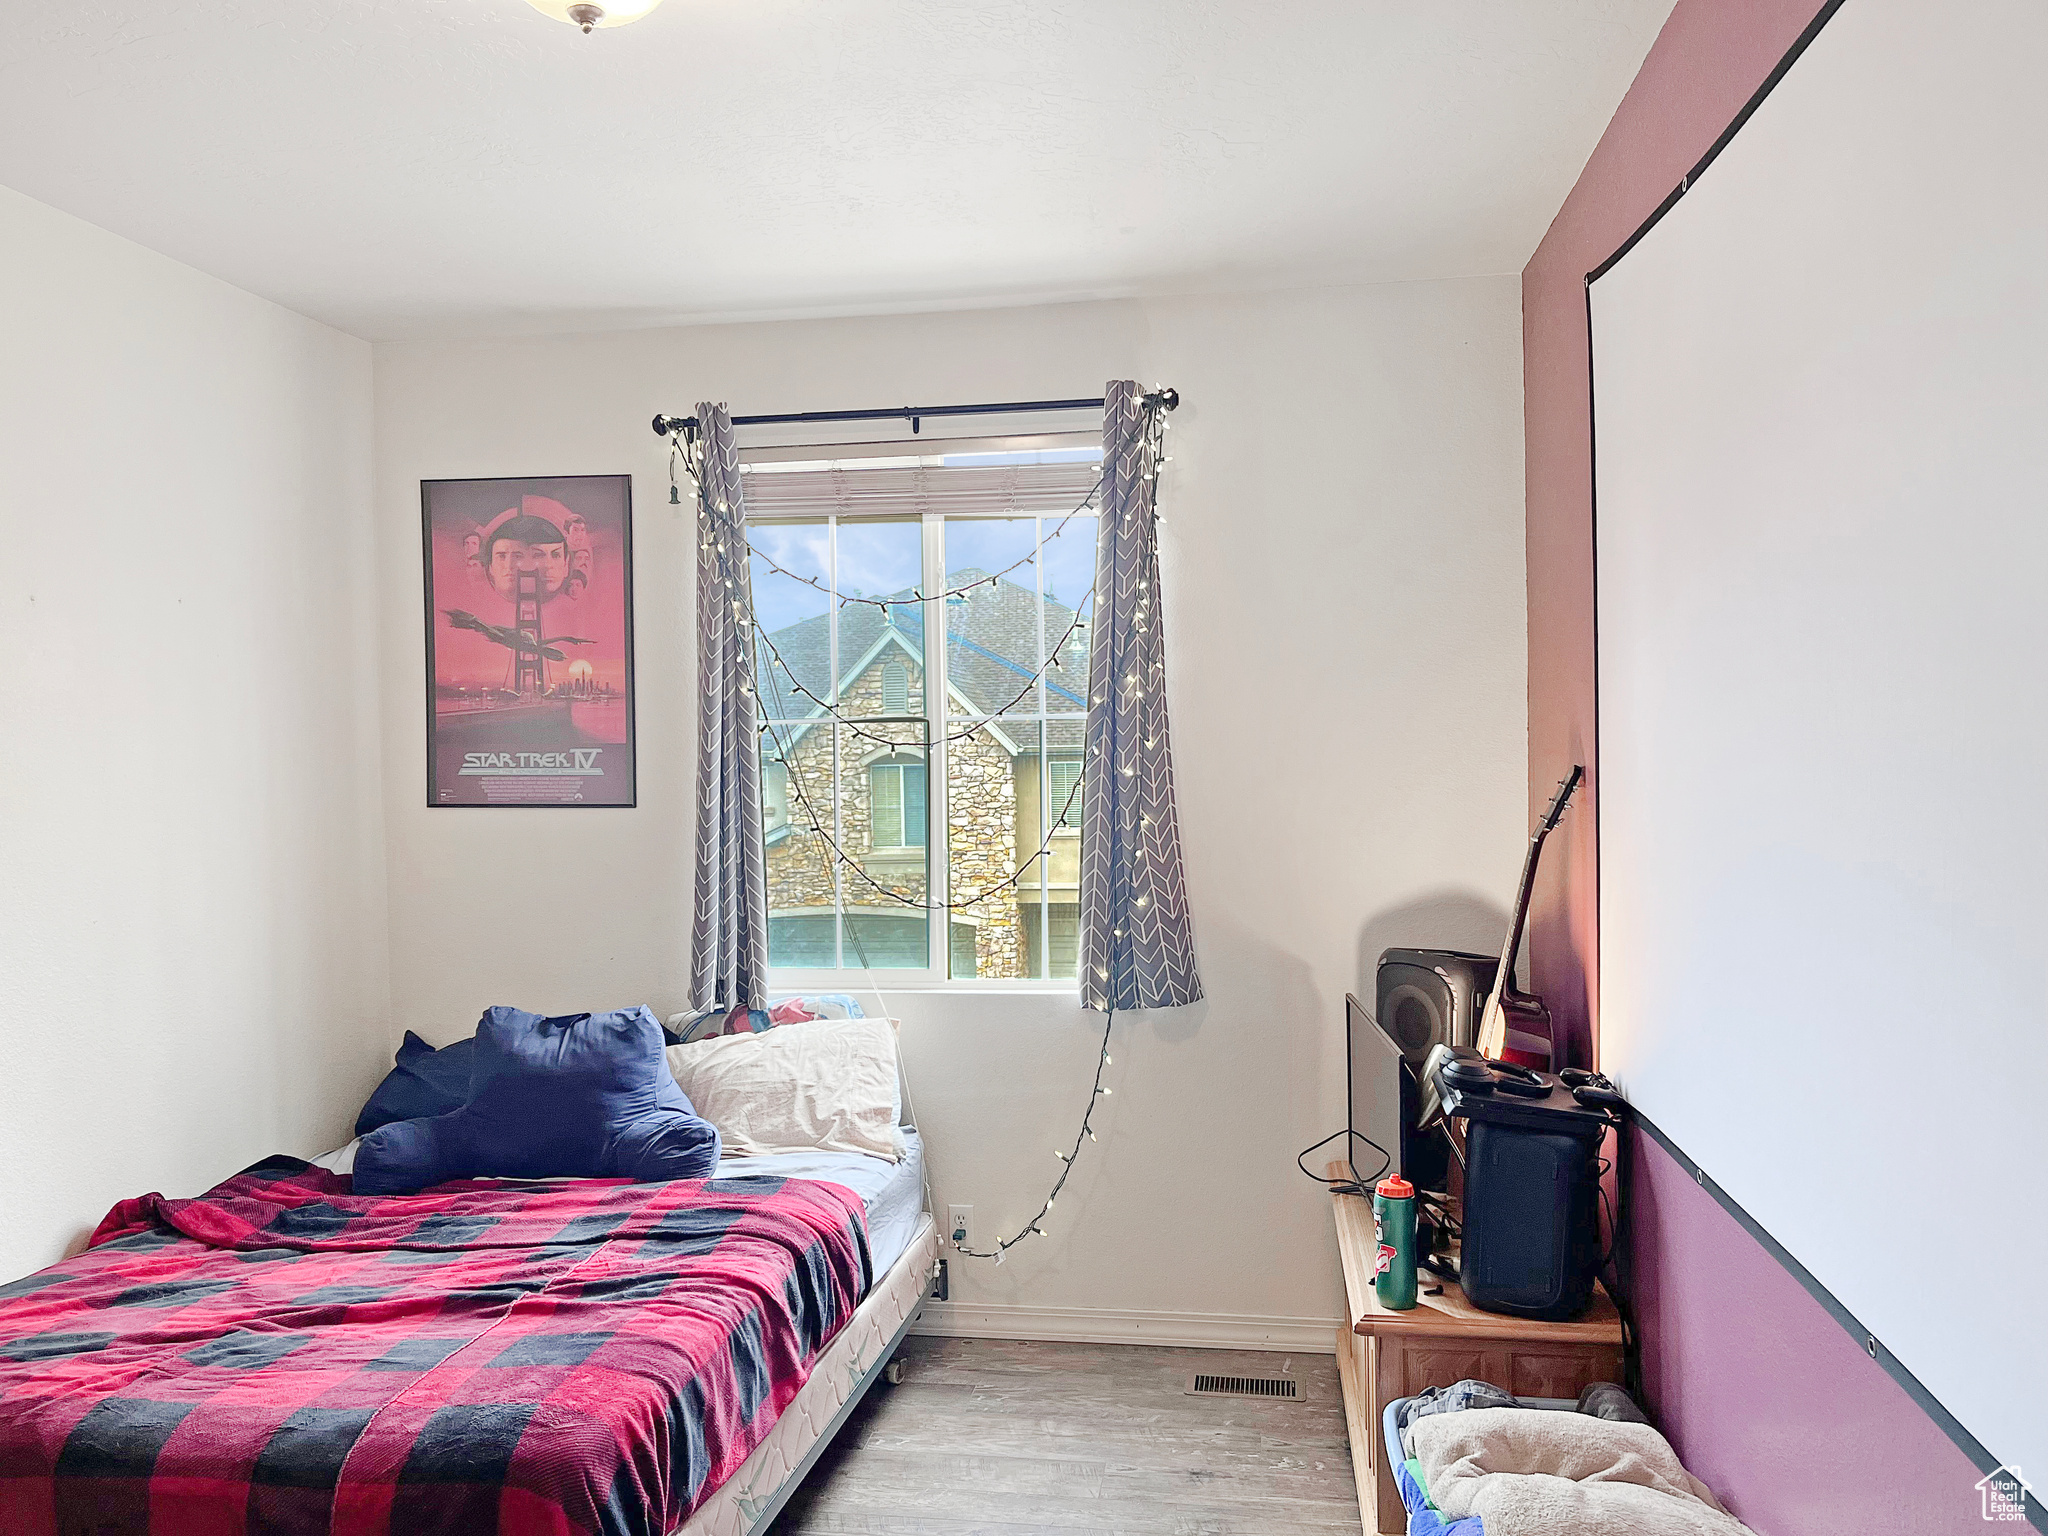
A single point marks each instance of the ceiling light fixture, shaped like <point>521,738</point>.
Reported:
<point>615,14</point>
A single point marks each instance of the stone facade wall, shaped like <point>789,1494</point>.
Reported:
<point>981,811</point>
<point>982,816</point>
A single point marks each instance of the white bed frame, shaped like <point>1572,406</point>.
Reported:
<point>748,1501</point>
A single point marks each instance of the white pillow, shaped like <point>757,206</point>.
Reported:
<point>828,1085</point>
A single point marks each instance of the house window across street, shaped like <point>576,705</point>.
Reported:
<point>932,830</point>
<point>1064,773</point>
<point>896,792</point>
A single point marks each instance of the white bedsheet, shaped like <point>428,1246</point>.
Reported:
<point>893,1193</point>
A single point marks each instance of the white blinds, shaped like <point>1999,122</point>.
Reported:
<point>895,487</point>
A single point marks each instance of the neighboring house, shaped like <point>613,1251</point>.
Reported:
<point>997,773</point>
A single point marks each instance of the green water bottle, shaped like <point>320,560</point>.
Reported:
<point>1393,1222</point>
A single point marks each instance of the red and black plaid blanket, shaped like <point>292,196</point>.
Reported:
<point>278,1355</point>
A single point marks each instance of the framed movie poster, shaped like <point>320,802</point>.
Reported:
<point>529,641</point>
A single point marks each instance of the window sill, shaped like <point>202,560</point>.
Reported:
<point>864,983</point>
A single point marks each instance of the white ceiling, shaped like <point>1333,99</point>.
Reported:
<point>464,167</point>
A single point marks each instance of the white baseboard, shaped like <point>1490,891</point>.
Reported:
<point>1104,1325</point>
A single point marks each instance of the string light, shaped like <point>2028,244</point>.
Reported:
<point>1149,439</point>
<point>950,592</point>
<point>911,902</point>
<point>830,711</point>
<point>1035,1226</point>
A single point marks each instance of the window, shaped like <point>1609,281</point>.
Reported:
<point>920,757</point>
<point>1064,802</point>
<point>964,957</point>
<point>896,804</point>
<point>774,796</point>
<point>891,941</point>
<point>1064,954</point>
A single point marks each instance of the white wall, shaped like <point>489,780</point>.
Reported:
<point>1344,590</point>
<point>192,930</point>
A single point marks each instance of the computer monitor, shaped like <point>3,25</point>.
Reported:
<point>1384,1102</point>
<point>1373,1090</point>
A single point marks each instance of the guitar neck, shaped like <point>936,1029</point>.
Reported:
<point>1510,948</point>
<point>1493,1027</point>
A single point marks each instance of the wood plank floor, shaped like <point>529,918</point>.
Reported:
<point>1029,1439</point>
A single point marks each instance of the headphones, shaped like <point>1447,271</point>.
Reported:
<point>1476,1074</point>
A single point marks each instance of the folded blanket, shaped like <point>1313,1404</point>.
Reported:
<point>1528,1472</point>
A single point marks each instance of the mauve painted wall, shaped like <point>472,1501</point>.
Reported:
<point>1764,1395</point>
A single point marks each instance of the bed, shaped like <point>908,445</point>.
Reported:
<point>545,1356</point>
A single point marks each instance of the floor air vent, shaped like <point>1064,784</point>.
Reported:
<point>1285,1388</point>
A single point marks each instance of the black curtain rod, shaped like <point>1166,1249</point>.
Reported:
<point>1166,399</point>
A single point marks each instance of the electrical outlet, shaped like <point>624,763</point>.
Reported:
<point>959,1225</point>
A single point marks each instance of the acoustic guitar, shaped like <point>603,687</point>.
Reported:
<point>1515,1026</point>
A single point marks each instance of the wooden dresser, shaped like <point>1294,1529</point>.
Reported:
<point>1384,1355</point>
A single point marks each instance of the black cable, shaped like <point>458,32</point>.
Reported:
<point>1355,1185</point>
<point>1440,1211</point>
<point>1607,1210</point>
<point>1624,1258</point>
<point>1068,1159</point>
<point>1616,1267</point>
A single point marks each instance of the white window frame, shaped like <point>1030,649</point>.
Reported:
<point>938,699</point>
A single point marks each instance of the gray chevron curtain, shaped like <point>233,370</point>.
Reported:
<point>729,937</point>
<point>1137,944</point>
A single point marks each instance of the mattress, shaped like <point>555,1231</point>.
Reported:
<point>742,1505</point>
<point>893,1193</point>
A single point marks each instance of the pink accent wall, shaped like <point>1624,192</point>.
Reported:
<point>1765,1396</point>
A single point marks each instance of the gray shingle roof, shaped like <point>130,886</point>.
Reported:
<point>993,649</point>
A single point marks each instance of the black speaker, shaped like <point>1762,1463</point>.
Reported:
<point>1532,1235</point>
<point>1430,997</point>
<point>1532,1189</point>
